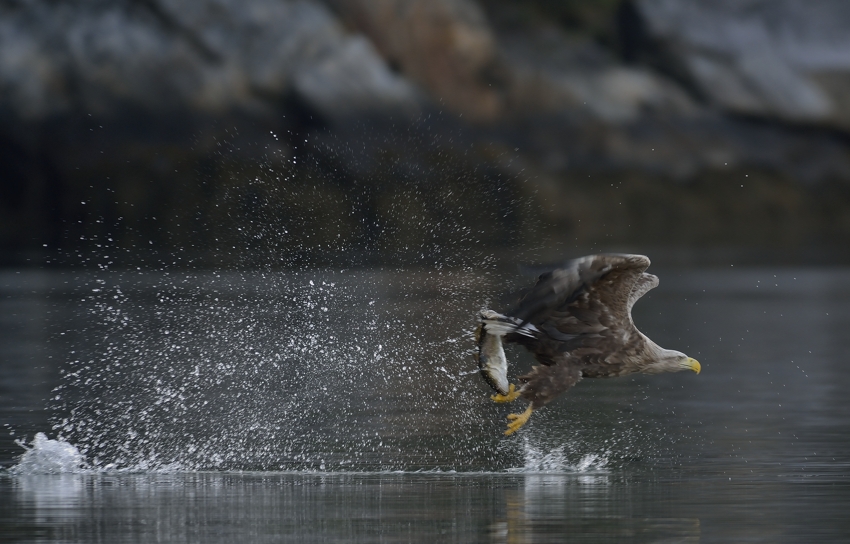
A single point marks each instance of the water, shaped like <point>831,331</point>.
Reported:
<point>342,405</point>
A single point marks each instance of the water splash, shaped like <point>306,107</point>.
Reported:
<point>591,462</point>
<point>277,371</point>
<point>178,362</point>
<point>538,459</point>
<point>46,456</point>
<point>356,371</point>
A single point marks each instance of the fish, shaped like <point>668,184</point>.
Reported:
<point>491,356</point>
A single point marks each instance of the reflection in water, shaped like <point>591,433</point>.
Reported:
<point>622,506</point>
<point>54,497</point>
<point>581,506</point>
<point>327,507</point>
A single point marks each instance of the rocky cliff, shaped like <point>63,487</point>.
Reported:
<point>129,107</point>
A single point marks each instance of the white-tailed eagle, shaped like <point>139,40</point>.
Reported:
<point>577,321</point>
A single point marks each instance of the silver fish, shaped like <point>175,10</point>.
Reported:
<point>491,358</point>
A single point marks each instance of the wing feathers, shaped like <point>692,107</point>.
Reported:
<point>586,288</point>
<point>544,383</point>
<point>560,286</point>
<point>645,283</point>
<point>584,310</point>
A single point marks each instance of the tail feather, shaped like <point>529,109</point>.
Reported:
<point>500,325</point>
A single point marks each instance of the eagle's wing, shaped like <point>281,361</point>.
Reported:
<point>644,283</point>
<point>587,303</point>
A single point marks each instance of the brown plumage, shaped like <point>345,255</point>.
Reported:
<point>577,322</point>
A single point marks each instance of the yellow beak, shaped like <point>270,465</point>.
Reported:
<point>694,365</point>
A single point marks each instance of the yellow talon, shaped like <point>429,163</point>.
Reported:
<point>518,420</point>
<point>512,395</point>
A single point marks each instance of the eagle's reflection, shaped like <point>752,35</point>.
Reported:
<point>593,506</point>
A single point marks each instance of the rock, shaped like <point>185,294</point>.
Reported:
<point>550,71</point>
<point>446,46</point>
<point>164,55</point>
<point>772,58</point>
<point>300,46</point>
<point>354,80</point>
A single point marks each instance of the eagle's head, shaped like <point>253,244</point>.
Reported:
<point>669,360</point>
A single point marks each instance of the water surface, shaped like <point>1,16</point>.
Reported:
<point>343,406</point>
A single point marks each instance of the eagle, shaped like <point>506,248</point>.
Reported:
<point>577,322</point>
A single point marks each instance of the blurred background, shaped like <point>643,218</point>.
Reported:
<point>249,133</point>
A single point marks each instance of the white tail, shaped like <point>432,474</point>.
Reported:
<point>500,325</point>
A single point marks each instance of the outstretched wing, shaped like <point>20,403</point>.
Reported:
<point>585,304</point>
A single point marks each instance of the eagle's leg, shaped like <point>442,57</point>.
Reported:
<point>518,420</point>
<point>511,396</point>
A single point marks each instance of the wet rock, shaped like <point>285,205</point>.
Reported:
<point>781,59</point>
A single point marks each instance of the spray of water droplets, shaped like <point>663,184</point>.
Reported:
<point>367,370</point>
<point>270,364</point>
<point>539,458</point>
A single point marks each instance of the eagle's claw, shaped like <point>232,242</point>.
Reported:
<point>518,420</point>
<point>512,395</point>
